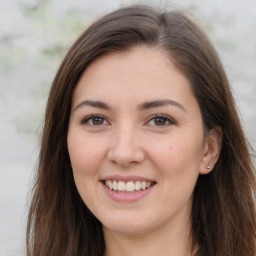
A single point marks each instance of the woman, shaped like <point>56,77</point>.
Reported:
<point>142,149</point>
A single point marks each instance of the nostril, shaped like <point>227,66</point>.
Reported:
<point>125,156</point>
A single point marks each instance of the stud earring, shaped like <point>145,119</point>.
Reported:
<point>209,166</point>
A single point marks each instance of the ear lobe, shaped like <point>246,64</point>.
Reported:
<point>213,143</point>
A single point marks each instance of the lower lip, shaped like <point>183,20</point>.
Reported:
<point>127,196</point>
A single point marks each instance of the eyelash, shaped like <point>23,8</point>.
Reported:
<point>90,118</point>
<point>164,117</point>
<point>161,116</point>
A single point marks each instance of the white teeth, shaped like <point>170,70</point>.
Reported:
<point>115,187</point>
<point>137,185</point>
<point>120,186</point>
<point>129,186</point>
<point>110,185</point>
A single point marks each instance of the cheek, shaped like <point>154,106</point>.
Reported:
<point>177,156</point>
<point>86,158</point>
<point>85,155</point>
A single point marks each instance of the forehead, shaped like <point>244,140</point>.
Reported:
<point>140,69</point>
<point>133,61</point>
<point>138,62</point>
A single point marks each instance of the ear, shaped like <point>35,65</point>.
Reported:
<point>212,148</point>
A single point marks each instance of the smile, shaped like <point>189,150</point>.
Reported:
<point>129,186</point>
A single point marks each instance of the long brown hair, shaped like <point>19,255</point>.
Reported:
<point>223,212</point>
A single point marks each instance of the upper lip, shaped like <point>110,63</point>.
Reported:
<point>126,178</point>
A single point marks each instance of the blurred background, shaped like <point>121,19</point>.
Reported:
<point>35,35</point>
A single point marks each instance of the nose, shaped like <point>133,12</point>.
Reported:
<point>125,148</point>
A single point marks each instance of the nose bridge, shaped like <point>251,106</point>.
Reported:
<point>125,147</point>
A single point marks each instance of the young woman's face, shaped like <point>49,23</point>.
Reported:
<point>136,141</point>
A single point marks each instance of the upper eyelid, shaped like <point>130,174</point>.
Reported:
<point>85,119</point>
<point>172,120</point>
<point>162,116</point>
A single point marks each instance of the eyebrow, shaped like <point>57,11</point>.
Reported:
<point>144,106</point>
<point>160,103</point>
<point>93,103</point>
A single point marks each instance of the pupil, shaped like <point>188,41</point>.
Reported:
<point>97,120</point>
<point>160,121</point>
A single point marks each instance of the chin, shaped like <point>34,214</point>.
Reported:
<point>129,226</point>
<point>126,229</point>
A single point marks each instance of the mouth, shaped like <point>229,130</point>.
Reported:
<point>129,186</point>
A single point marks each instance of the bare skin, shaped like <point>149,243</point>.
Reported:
<point>134,119</point>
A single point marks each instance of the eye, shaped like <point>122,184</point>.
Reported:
<point>160,120</point>
<point>95,120</point>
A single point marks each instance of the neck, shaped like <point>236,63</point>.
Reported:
<point>159,242</point>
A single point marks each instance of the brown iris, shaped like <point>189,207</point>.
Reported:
<point>160,121</point>
<point>97,120</point>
